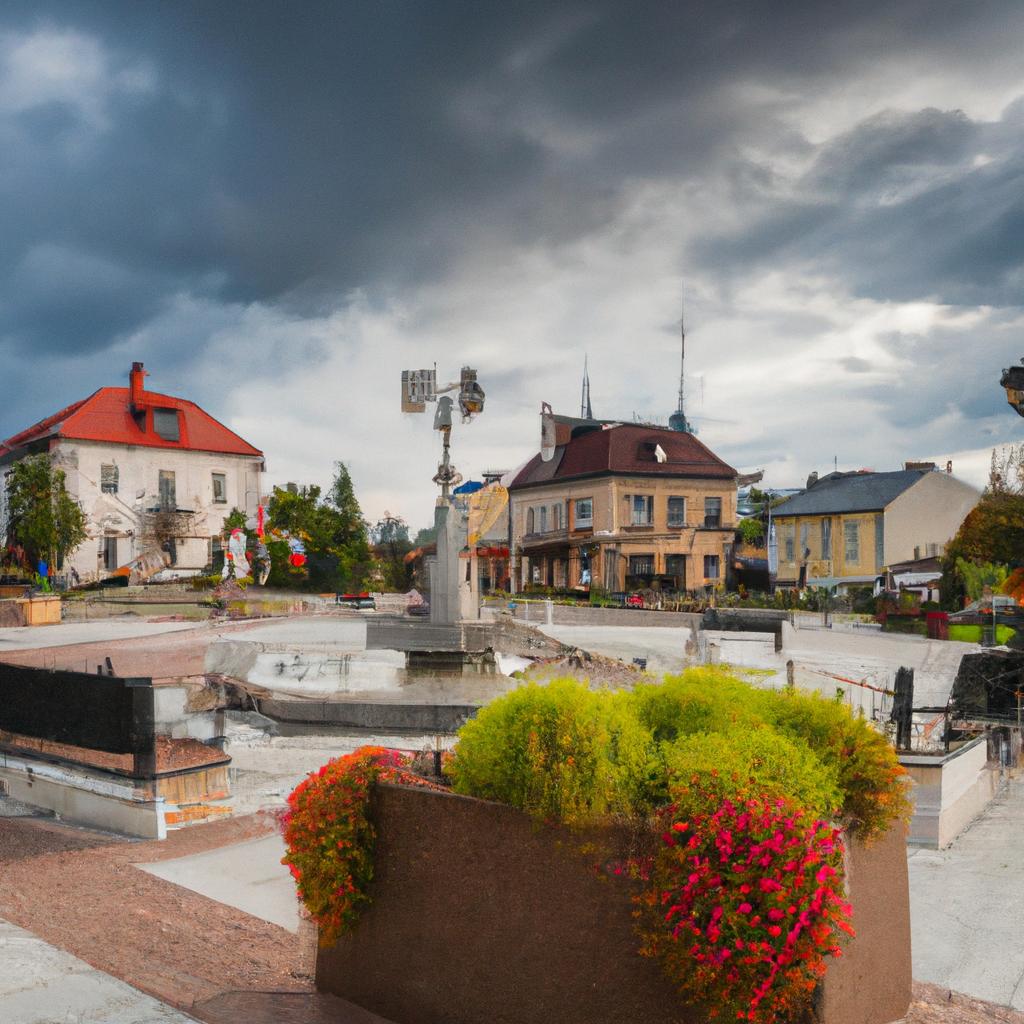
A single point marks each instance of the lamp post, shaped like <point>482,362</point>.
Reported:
<point>418,388</point>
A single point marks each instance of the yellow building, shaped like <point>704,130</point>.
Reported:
<point>846,527</point>
<point>623,506</point>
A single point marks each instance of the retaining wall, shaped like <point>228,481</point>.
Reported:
<point>950,791</point>
<point>478,915</point>
<point>535,612</point>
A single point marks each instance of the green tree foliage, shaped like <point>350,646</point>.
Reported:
<point>992,534</point>
<point>751,531</point>
<point>977,576</point>
<point>333,531</point>
<point>428,535</point>
<point>43,517</point>
<point>390,539</point>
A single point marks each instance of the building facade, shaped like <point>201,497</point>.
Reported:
<point>847,527</point>
<point>155,475</point>
<point>620,507</point>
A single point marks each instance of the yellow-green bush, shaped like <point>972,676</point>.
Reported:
<point>699,700</point>
<point>563,752</point>
<point>560,751</point>
<point>760,759</point>
<point>871,779</point>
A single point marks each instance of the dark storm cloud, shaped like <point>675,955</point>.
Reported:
<point>928,204</point>
<point>216,157</point>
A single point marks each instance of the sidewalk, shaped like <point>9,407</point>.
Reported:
<point>966,905</point>
<point>40,984</point>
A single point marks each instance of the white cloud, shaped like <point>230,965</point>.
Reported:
<point>61,66</point>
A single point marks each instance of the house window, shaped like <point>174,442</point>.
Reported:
<point>789,539</point>
<point>641,509</point>
<point>584,513</point>
<point>675,565</point>
<point>165,423</point>
<point>676,511</point>
<point>713,512</point>
<point>108,479</point>
<point>220,489</point>
<point>543,519</point>
<point>805,550</point>
<point>556,517</point>
<point>110,553</point>
<point>851,541</point>
<point>826,537</point>
<point>530,519</point>
<point>168,498</point>
<point>711,567</point>
<point>641,565</point>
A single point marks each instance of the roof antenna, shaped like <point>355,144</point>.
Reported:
<point>678,421</point>
<point>586,413</point>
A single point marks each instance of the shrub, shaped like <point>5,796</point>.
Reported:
<point>872,781</point>
<point>699,700</point>
<point>744,903</point>
<point>560,752</point>
<point>330,837</point>
<point>761,760</point>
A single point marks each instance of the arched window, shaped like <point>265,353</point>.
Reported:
<point>529,520</point>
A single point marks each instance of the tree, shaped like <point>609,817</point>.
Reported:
<point>992,534</point>
<point>42,516</point>
<point>332,529</point>
<point>390,537</point>
<point>428,535</point>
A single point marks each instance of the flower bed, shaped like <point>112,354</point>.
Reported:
<point>710,809</point>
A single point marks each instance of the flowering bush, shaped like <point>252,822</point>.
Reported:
<point>745,903</point>
<point>330,836</point>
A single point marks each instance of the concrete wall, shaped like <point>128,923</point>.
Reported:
<point>120,515</point>
<point>479,915</point>
<point>930,512</point>
<point>588,615</point>
<point>949,792</point>
<point>84,797</point>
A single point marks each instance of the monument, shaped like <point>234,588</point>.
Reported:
<point>418,388</point>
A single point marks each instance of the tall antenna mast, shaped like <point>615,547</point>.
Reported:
<point>586,413</point>
<point>678,421</point>
<point>682,338</point>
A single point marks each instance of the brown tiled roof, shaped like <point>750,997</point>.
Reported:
<point>627,449</point>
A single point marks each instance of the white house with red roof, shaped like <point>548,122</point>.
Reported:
<point>155,475</point>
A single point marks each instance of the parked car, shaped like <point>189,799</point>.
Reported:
<point>979,613</point>
<point>362,600</point>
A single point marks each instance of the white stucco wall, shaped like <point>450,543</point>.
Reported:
<point>930,512</point>
<point>120,515</point>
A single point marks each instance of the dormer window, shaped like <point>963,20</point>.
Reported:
<point>165,423</point>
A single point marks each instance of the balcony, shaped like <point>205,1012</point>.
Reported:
<point>538,540</point>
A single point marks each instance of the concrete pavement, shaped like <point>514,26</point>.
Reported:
<point>63,634</point>
<point>40,984</point>
<point>967,906</point>
<point>248,876</point>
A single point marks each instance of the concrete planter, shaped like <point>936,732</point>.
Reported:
<point>479,916</point>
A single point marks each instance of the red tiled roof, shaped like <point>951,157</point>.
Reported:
<point>626,448</point>
<point>107,416</point>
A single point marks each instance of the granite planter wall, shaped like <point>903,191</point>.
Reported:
<point>477,915</point>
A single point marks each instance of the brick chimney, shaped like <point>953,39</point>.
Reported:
<point>136,388</point>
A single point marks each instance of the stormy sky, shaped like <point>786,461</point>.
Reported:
<point>278,207</point>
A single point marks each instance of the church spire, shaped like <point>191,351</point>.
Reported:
<point>586,413</point>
